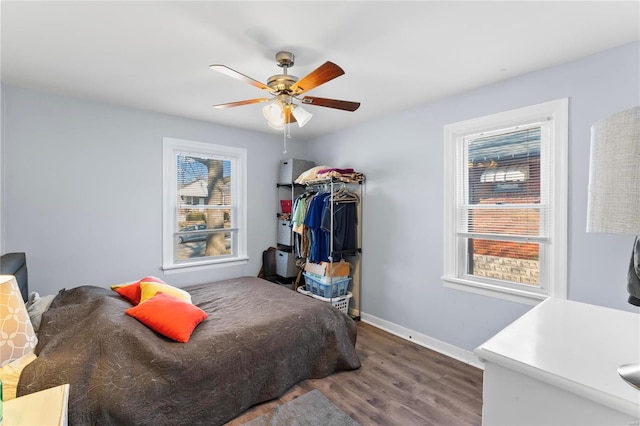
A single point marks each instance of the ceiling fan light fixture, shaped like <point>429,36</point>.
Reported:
<point>277,126</point>
<point>301,115</point>
<point>273,111</point>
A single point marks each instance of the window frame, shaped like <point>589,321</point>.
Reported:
<point>238,156</point>
<point>553,253</point>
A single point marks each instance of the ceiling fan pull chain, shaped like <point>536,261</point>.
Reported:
<point>284,133</point>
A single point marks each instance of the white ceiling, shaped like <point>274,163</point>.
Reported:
<point>155,55</point>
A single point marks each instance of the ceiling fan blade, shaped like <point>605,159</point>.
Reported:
<point>240,103</point>
<point>235,74</point>
<point>331,103</point>
<point>325,72</point>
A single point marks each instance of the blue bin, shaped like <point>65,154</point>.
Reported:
<point>326,286</point>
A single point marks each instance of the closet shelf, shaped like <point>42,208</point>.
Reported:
<point>289,185</point>
<point>333,180</point>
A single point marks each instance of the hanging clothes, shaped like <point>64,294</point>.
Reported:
<point>319,250</point>
<point>312,220</point>
<point>301,231</point>
<point>345,226</point>
<point>299,212</point>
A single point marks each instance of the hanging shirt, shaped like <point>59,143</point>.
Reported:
<point>345,226</point>
<point>319,238</point>
<point>299,212</point>
<point>301,232</point>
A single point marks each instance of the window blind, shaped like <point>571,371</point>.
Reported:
<point>502,193</point>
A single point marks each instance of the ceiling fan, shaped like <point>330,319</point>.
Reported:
<point>286,89</point>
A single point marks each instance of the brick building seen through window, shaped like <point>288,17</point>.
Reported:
<point>504,191</point>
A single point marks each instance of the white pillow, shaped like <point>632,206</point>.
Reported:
<point>36,306</point>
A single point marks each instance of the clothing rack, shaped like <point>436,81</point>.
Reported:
<point>337,189</point>
<point>342,193</point>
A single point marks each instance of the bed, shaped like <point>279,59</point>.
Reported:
<point>259,339</point>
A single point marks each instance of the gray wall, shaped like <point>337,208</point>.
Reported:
<point>82,194</point>
<point>82,189</point>
<point>402,157</point>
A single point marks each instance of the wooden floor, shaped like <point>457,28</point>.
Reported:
<point>399,383</point>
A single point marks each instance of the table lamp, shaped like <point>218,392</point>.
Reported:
<point>17,337</point>
<point>614,196</point>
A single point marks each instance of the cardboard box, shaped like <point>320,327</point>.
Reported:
<point>339,269</point>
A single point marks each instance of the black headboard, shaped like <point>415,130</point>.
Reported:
<point>16,264</point>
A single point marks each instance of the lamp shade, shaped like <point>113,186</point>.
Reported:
<point>17,337</point>
<point>273,111</point>
<point>277,126</point>
<point>614,174</point>
<point>301,115</point>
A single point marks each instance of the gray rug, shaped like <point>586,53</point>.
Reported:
<point>310,409</point>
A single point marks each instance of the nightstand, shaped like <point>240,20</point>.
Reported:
<point>47,407</point>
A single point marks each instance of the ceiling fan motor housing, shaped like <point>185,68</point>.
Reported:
<point>281,82</point>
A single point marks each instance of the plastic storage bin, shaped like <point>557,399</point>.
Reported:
<point>285,237</point>
<point>286,264</point>
<point>341,302</point>
<point>292,168</point>
<point>326,286</point>
<point>285,206</point>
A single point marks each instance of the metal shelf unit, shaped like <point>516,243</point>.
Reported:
<point>332,185</point>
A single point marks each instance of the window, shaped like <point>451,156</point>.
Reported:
<point>506,203</point>
<point>204,218</point>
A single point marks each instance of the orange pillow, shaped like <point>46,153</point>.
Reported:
<point>132,292</point>
<point>169,316</point>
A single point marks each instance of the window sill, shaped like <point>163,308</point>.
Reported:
<point>498,292</point>
<point>208,264</point>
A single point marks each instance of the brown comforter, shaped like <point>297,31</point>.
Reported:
<point>258,340</point>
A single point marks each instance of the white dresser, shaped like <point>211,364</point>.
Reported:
<point>557,365</point>
<point>45,408</point>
